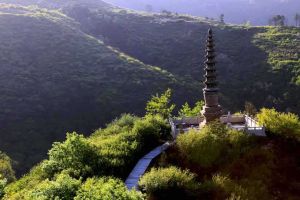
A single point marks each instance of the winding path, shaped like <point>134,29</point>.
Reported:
<point>142,165</point>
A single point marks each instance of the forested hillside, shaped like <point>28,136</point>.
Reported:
<point>259,64</point>
<point>55,78</point>
<point>60,74</point>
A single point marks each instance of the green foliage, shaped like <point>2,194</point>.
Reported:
<point>76,155</point>
<point>40,104</point>
<point>187,111</point>
<point>111,151</point>
<point>282,124</point>
<point>212,145</point>
<point>6,170</point>
<point>171,179</point>
<point>201,148</point>
<point>3,183</point>
<point>122,143</point>
<point>63,187</point>
<point>161,105</point>
<point>106,189</point>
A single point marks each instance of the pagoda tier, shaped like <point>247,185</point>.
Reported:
<point>211,110</point>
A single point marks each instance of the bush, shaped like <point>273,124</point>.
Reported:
<point>164,182</point>
<point>75,155</point>
<point>106,189</point>
<point>205,147</point>
<point>281,124</point>
<point>214,144</point>
<point>3,183</point>
<point>121,144</point>
<point>6,170</point>
<point>150,129</point>
<point>63,187</point>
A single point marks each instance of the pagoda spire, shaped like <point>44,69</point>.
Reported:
<point>210,69</point>
<point>211,110</point>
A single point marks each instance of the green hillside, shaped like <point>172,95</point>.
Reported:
<point>59,76</point>
<point>257,64</point>
<point>55,78</point>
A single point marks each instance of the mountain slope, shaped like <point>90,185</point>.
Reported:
<point>55,78</point>
<point>176,43</point>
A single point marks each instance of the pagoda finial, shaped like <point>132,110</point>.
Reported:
<point>211,110</point>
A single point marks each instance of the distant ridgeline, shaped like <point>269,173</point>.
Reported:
<point>70,72</point>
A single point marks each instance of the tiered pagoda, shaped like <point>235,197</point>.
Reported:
<point>211,110</point>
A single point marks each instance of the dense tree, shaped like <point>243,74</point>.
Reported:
<point>161,105</point>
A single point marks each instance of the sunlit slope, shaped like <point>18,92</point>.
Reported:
<point>54,78</point>
<point>257,64</point>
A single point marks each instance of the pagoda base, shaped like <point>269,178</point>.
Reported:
<point>211,114</point>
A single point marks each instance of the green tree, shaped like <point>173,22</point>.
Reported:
<point>161,105</point>
<point>76,155</point>
<point>187,111</point>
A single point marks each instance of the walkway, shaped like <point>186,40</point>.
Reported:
<point>142,165</point>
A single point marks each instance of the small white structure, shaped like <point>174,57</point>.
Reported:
<point>239,122</point>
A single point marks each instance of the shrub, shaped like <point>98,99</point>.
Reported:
<point>122,124</point>
<point>239,143</point>
<point>204,147</point>
<point>19,189</point>
<point>120,147</point>
<point>3,183</point>
<point>6,170</point>
<point>63,187</point>
<point>106,189</point>
<point>162,182</point>
<point>150,129</point>
<point>75,155</point>
<point>282,124</point>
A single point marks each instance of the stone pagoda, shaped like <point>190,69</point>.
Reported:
<point>211,110</point>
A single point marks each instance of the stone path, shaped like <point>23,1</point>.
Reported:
<point>142,165</point>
